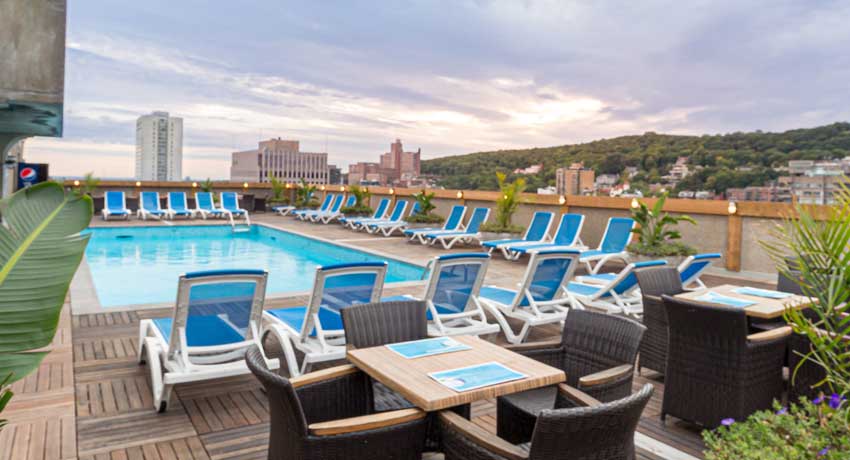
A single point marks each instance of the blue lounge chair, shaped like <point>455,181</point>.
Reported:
<point>616,238</point>
<point>620,295</point>
<point>355,222</point>
<point>467,236</point>
<point>334,211</point>
<point>537,232</point>
<point>541,297</point>
<point>230,203</point>
<point>299,213</point>
<point>215,321</point>
<point>283,210</point>
<point>205,206</point>
<point>566,237</point>
<point>149,206</point>
<point>390,226</point>
<point>452,224</point>
<point>336,201</point>
<point>316,329</point>
<point>690,271</point>
<point>395,214</point>
<point>452,295</point>
<point>177,206</point>
<point>115,204</point>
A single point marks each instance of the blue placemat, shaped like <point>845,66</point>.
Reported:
<point>427,347</point>
<point>766,293</point>
<point>477,376</point>
<point>721,299</point>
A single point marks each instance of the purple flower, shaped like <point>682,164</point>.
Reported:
<point>823,451</point>
<point>727,421</point>
<point>835,400</point>
<point>782,411</point>
<point>817,400</point>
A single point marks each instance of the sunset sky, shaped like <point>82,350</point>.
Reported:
<point>447,76</point>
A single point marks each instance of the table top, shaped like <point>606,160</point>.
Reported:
<point>409,377</point>
<point>763,308</point>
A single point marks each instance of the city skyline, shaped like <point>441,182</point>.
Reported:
<point>458,77</point>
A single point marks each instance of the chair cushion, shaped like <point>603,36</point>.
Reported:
<point>441,309</point>
<point>294,318</point>
<point>533,401</point>
<point>593,253</point>
<point>582,289</point>
<point>496,243</point>
<point>202,331</point>
<point>497,294</point>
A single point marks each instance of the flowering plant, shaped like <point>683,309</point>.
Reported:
<point>810,430</point>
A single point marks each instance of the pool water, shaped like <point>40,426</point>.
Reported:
<point>141,265</point>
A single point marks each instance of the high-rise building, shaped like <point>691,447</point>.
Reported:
<point>282,159</point>
<point>159,147</point>
<point>334,175</point>
<point>364,173</point>
<point>575,180</point>
<point>400,165</point>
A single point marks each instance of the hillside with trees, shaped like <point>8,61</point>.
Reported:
<point>728,160</point>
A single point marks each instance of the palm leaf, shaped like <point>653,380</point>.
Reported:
<point>40,249</point>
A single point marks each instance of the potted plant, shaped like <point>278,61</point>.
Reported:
<point>305,196</point>
<point>426,216</point>
<point>657,235</point>
<point>207,186</point>
<point>87,187</point>
<point>277,198</point>
<point>361,207</point>
<point>817,429</point>
<point>506,206</point>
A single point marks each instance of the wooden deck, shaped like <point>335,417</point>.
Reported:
<point>91,400</point>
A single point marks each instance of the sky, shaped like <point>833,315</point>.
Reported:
<point>450,77</point>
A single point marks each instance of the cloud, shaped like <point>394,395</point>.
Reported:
<point>447,76</point>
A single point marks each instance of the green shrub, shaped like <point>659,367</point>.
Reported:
<point>804,431</point>
<point>508,203</point>
<point>420,218</point>
<point>353,211</point>
<point>496,227</point>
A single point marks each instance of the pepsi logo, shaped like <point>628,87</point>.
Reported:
<point>28,174</point>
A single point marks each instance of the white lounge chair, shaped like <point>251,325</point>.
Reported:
<point>390,226</point>
<point>690,271</point>
<point>215,320</point>
<point>452,295</point>
<point>114,205</point>
<point>468,236</point>
<point>355,222</point>
<point>537,232</point>
<point>283,210</point>
<point>205,206</point>
<point>230,203</point>
<point>395,214</point>
<point>567,237</point>
<point>335,210</point>
<point>616,238</point>
<point>620,295</point>
<point>177,206</point>
<point>149,206</point>
<point>541,297</point>
<point>452,224</point>
<point>316,329</point>
<point>304,214</point>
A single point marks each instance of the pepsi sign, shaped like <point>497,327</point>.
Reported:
<point>31,173</point>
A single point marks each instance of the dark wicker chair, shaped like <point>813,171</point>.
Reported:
<point>597,352</point>
<point>655,282</point>
<point>714,369</point>
<point>578,428</point>
<point>326,415</point>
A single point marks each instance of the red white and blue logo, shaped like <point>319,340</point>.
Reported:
<point>28,174</point>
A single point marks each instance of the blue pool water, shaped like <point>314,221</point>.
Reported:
<point>140,265</point>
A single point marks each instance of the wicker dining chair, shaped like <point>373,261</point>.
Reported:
<point>576,427</point>
<point>596,351</point>
<point>714,369</point>
<point>327,415</point>
<point>655,282</point>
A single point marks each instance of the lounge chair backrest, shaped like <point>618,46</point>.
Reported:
<point>414,209</point>
<point>618,233</point>
<point>381,209</point>
<point>115,200</point>
<point>569,230</point>
<point>177,201</point>
<point>692,267</point>
<point>455,217</point>
<point>479,216</point>
<point>217,308</point>
<point>398,210</point>
<point>626,280</point>
<point>326,202</point>
<point>539,228</point>
<point>150,201</point>
<point>337,203</point>
<point>343,285</point>
<point>547,272</point>
<point>204,200</point>
<point>455,279</point>
<point>229,201</point>
<point>350,201</point>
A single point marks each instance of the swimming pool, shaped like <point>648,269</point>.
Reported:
<point>141,265</point>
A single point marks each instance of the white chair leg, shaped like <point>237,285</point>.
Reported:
<point>502,322</point>
<point>161,392</point>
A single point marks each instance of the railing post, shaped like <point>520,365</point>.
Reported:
<point>734,232</point>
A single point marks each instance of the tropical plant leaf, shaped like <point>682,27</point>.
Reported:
<point>40,250</point>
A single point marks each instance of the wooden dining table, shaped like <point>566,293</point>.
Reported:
<point>409,377</point>
<point>765,308</point>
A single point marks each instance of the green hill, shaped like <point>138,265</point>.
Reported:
<point>756,154</point>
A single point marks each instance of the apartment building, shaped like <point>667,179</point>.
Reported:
<point>575,180</point>
<point>159,147</point>
<point>282,159</point>
<point>815,182</point>
<point>394,167</point>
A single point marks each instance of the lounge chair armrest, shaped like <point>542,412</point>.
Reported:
<point>772,334</point>
<point>606,376</point>
<point>653,298</point>
<point>365,422</point>
<point>322,375</point>
<point>530,346</point>
<point>481,437</point>
<point>577,396</point>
